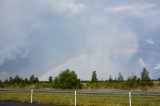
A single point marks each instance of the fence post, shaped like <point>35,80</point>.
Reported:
<point>31,95</point>
<point>75,99</point>
<point>129,98</point>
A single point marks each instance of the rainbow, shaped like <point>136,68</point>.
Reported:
<point>57,67</point>
<point>80,56</point>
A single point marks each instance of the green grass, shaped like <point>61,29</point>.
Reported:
<point>14,96</point>
<point>67,99</point>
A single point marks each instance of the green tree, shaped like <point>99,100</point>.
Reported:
<point>11,81</point>
<point>110,79</point>
<point>120,77</point>
<point>17,79</point>
<point>26,81</point>
<point>132,81</point>
<point>94,77</point>
<point>36,80</point>
<point>6,81</point>
<point>50,79</point>
<point>115,79</point>
<point>67,79</point>
<point>145,79</point>
<point>33,79</point>
<point>1,84</point>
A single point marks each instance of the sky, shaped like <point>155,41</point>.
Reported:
<point>44,37</point>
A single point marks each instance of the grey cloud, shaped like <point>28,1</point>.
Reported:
<point>43,34</point>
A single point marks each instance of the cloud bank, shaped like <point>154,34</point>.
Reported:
<point>39,35</point>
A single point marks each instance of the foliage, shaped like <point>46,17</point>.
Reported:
<point>145,79</point>
<point>67,80</point>
<point>110,79</point>
<point>94,77</point>
<point>33,79</point>
<point>17,79</point>
<point>50,79</point>
<point>120,77</point>
<point>133,81</point>
<point>19,82</point>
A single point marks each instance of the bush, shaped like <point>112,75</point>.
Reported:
<point>67,80</point>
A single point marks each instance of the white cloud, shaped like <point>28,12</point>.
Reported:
<point>141,62</point>
<point>70,6</point>
<point>148,13</point>
<point>136,10</point>
<point>102,34</point>
<point>104,40</point>
<point>149,41</point>
<point>17,23</point>
<point>157,66</point>
<point>13,35</point>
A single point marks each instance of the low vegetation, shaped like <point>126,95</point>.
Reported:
<point>68,79</point>
<point>67,99</point>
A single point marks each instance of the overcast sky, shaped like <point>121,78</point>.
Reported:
<point>108,36</point>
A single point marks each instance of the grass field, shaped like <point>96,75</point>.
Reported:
<point>67,99</point>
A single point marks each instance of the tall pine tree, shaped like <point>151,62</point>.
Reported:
<point>94,77</point>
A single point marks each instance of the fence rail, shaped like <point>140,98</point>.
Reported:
<point>84,91</point>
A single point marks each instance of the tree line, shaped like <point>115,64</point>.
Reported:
<point>18,81</point>
<point>68,79</point>
<point>144,79</point>
<point>132,80</point>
